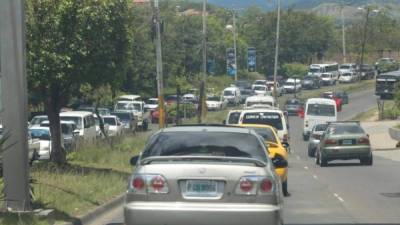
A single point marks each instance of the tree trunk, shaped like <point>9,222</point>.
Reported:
<point>57,154</point>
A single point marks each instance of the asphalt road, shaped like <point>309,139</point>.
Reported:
<point>342,193</point>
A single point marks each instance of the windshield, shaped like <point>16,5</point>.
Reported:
<point>76,120</point>
<point>345,129</point>
<point>205,144</point>
<point>246,92</point>
<point>259,82</point>
<point>320,127</point>
<point>346,74</point>
<point>308,78</point>
<point>66,129</point>
<point>229,93</point>
<point>268,118</point>
<point>110,121</point>
<point>41,134</point>
<point>38,120</point>
<point>123,116</point>
<point>152,102</point>
<point>315,70</point>
<point>251,103</point>
<point>292,102</point>
<point>259,88</point>
<point>128,106</point>
<point>289,83</point>
<point>234,118</point>
<point>326,75</point>
<point>266,134</point>
<point>320,110</point>
<point>214,98</point>
<point>345,67</point>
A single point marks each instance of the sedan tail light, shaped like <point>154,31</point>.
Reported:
<point>253,185</point>
<point>149,183</point>
<point>330,142</point>
<point>364,141</point>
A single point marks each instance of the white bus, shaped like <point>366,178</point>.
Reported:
<point>319,69</point>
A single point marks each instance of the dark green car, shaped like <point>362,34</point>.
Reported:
<point>344,141</point>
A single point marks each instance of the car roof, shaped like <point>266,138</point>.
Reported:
<point>262,110</point>
<point>110,116</point>
<point>76,113</point>
<point>321,101</point>
<point>207,128</point>
<point>39,128</point>
<point>260,98</point>
<point>40,116</point>
<point>130,96</point>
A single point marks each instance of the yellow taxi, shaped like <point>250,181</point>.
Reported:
<point>275,149</point>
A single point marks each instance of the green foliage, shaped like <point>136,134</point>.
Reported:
<point>297,70</point>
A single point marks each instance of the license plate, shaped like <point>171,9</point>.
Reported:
<point>201,187</point>
<point>347,142</point>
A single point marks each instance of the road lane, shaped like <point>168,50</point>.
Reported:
<point>339,194</point>
<point>344,192</point>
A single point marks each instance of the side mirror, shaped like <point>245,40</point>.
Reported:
<point>76,132</point>
<point>286,145</point>
<point>134,160</point>
<point>279,162</point>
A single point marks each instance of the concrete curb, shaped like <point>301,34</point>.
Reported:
<point>91,216</point>
<point>385,149</point>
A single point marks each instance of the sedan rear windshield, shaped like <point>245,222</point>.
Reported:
<point>266,134</point>
<point>229,93</point>
<point>259,88</point>
<point>123,116</point>
<point>109,121</point>
<point>320,110</point>
<point>345,129</point>
<point>205,144</point>
<point>268,118</point>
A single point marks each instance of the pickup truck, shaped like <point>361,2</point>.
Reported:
<point>141,114</point>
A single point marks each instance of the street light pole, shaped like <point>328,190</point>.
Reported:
<point>234,45</point>
<point>343,36</point>
<point>204,69</point>
<point>277,48</point>
<point>160,86</point>
<point>364,41</point>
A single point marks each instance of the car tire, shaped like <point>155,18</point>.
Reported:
<point>306,137</point>
<point>145,126</point>
<point>323,161</point>
<point>368,161</point>
<point>317,161</point>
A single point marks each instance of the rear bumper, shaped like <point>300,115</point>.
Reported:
<point>346,152</point>
<point>196,213</point>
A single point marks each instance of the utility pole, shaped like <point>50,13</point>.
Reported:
<point>234,44</point>
<point>364,41</point>
<point>278,21</point>
<point>204,67</point>
<point>14,99</point>
<point>343,35</point>
<point>160,85</point>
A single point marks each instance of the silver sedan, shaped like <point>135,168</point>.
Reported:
<point>204,175</point>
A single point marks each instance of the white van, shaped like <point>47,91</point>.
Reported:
<point>232,95</point>
<point>318,111</point>
<point>259,101</point>
<point>85,123</point>
<point>273,117</point>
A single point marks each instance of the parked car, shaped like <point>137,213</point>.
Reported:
<point>245,93</point>
<point>344,140</point>
<point>102,111</point>
<point>342,95</point>
<point>292,106</point>
<point>128,121</point>
<point>69,133</point>
<point>338,100</point>
<point>385,65</point>
<point>348,77</point>
<point>216,103</point>
<point>328,79</point>
<point>37,120</point>
<point>367,72</point>
<point>181,179</point>
<point>85,123</point>
<point>311,82</point>
<point>292,85</point>
<point>151,104</point>
<point>232,95</point>
<point>142,116</point>
<point>42,134</point>
<point>279,88</point>
<point>261,90</point>
<point>190,98</point>
<point>115,126</point>
<point>259,82</point>
<point>347,68</point>
<point>315,137</point>
<point>275,150</point>
<point>99,134</point>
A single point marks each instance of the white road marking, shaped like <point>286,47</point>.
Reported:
<point>315,176</point>
<point>297,157</point>
<point>306,167</point>
<point>338,197</point>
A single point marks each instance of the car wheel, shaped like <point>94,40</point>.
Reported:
<point>368,161</point>
<point>306,137</point>
<point>145,126</point>
<point>323,161</point>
